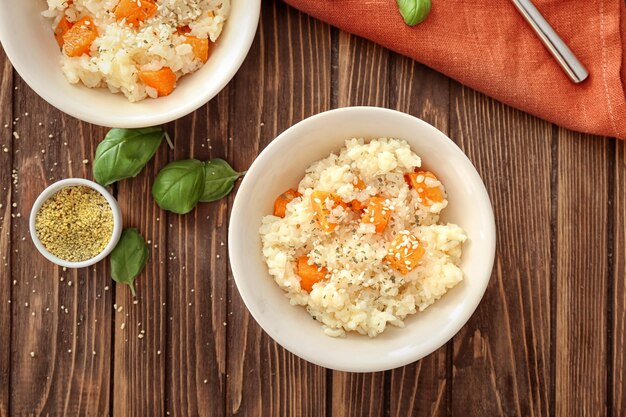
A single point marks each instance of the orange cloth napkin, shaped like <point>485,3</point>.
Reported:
<point>487,45</point>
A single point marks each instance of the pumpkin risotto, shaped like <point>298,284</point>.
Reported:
<point>137,47</point>
<point>359,242</point>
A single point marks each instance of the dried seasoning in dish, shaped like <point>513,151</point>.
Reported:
<point>75,224</point>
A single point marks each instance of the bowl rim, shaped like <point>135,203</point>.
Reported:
<point>174,112</point>
<point>381,364</point>
<point>51,190</point>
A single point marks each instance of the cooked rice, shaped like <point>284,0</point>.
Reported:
<point>361,292</point>
<point>121,51</point>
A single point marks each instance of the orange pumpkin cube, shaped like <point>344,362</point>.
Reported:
<point>163,80</point>
<point>377,213</point>
<point>356,205</point>
<point>78,39</point>
<point>61,29</point>
<point>359,184</point>
<point>200,47</point>
<point>280,205</point>
<point>419,182</point>
<point>135,11</point>
<point>322,208</point>
<point>405,252</point>
<point>309,274</point>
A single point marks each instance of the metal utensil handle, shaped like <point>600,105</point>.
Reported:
<point>559,50</point>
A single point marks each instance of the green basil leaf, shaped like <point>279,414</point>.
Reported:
<point>124,152</point>
<point>414,11</point>
<point>179,186</point>
<point>219,180</point>
<point>129,258</point>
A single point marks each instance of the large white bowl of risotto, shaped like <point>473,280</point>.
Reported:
<point>362,239</point>
<point>127,63</point>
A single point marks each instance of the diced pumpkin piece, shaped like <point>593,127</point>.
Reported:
<point>319,202</point>
<point>280,205</point>
<point>200,47</point>
<point>356,205</point>
<point>405,252</point>
<point>78,39</point>
<point>377,213</point>
<point>135,11</point>
<point>309,274</point>
<point>359,184</point>
<point>163,80</point>
<point>183,29</point>
<point>428,193</point>
<point>61,29</point>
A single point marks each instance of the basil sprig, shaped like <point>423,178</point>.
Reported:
<point>129,258</point>
<point>414,11</point>
<point>181,185</point>
<point>124,152</point>
<point>219,180</point>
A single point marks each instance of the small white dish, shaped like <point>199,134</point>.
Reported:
<point>281,166</point>
<point>52,190</point>
<point>27,38</point>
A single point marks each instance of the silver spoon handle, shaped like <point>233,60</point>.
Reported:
<point>559,50</point>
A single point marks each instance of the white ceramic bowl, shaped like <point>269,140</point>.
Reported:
<point>30,45</point>
<point>52,190</point>
<point>281,166</point>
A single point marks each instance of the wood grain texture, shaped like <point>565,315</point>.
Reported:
<point>363,72</point>
<point>6,185</point>
<point>618,361</point>
<point>61,356</point>
<point>420,389</point>
<point>581,281</point>
<point>197,276</point>
<point>284,79</point>
<point>501,360</point>
<point>140,330</point>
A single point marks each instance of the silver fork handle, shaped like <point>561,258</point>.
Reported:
<point>559,50</point>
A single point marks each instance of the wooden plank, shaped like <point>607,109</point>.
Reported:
<point>363,71</point>
<point>285,78</point>
<point>618,361</point>
<point>581,280</point>
<point>140,330</point>
<point>6,164</point>
<point>60,363</point>
<point>197,276</point>
<point>501,358</point>
<point>421,388</point>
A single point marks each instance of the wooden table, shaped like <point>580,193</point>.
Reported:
<point>547,339</point>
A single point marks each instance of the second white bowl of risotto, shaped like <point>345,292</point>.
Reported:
<point>127,63</point>
<point>362,239</point>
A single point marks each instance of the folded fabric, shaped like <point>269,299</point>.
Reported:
<point>487,45</point>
